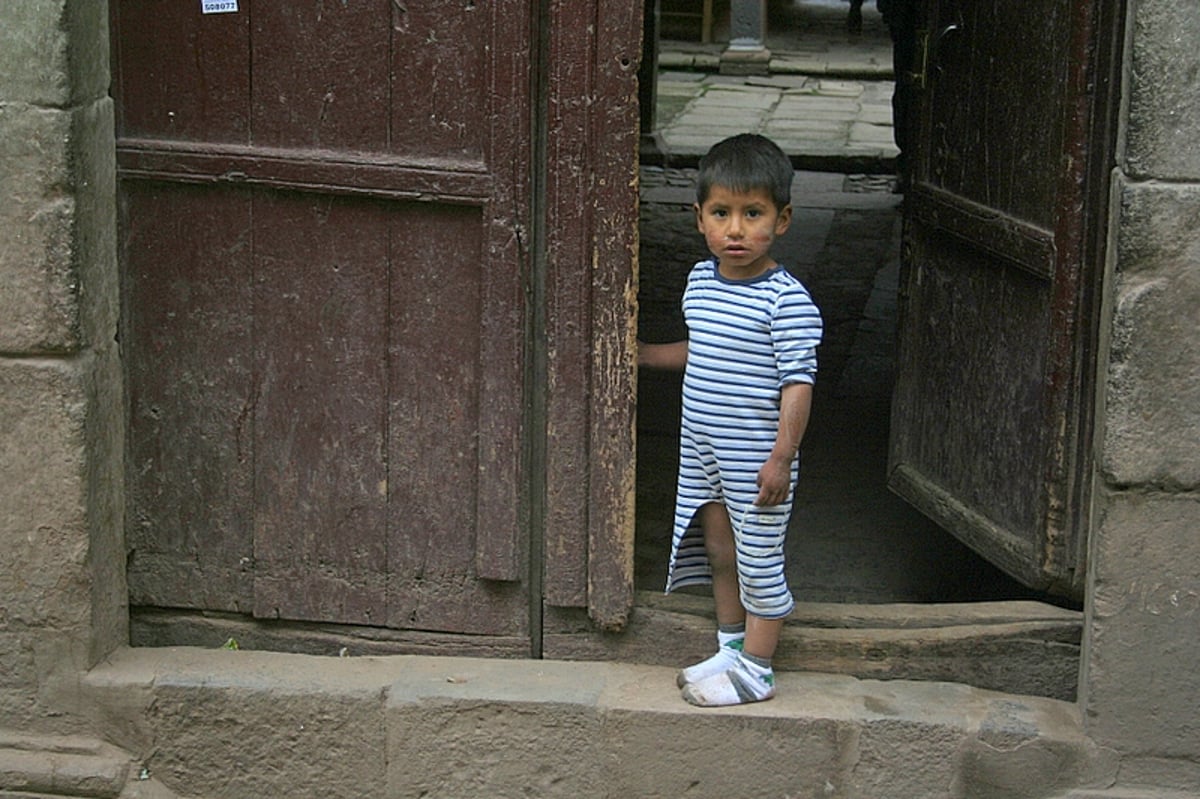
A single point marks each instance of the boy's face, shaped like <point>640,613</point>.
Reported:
<point>739,228</point>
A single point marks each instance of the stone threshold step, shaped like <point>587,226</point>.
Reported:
<point>224,723</point>
<point>1018,647</point>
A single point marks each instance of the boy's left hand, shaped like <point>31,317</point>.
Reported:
<point>774,482</point>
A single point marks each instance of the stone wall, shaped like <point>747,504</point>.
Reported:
<point>60,401</point>
<point>1141,688</point>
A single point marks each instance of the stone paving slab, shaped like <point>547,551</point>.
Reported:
<point>826,101</point>
<point>811,123</point>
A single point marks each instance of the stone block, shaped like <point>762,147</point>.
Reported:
<point>748,61</point>
<point>1010,757</point>
<point>1141,689</point>
<point>38,307</point>
<point>54,53</point>
<point>93,159</point>
<point>18,667</point>
<point>1163,86</point>
<point>68,772</point>
<point>472,728</point>
<point>1152,420</point>
<point>268,726</point>
<point>59,266</point>
<point>653,765</point>
<point>839,88</point>
<point>878,114</point>
<point>39,676</point>
<point>86,25</point>
<point>34,53</point>
<point>1145,791</point>
<point>801,103</point>
<point>1171,777</point>
<point>723,99</point>
<point>798,65</point>
<point>105,434</point>
<point>43,532</point>
<point>815,129</point>
<point>931,752</point>
<point>866,133</point>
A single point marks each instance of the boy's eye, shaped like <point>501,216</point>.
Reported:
<point>753,213</point>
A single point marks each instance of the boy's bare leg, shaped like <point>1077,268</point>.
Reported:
<point>731,677</point>
<point>731,617</point>
<point>762,636</point>
<point>722,558</point>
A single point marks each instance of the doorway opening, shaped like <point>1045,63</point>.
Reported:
<point>852,542</point>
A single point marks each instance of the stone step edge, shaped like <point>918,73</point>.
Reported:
<point>68,766</point>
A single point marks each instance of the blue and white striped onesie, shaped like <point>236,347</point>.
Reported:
<point>746,341</point>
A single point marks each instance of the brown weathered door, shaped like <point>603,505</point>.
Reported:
<point>325,210</point>
<point>1004,249</point>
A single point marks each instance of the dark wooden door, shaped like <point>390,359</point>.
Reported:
<point>324,211</point>
<point>1004,249</point>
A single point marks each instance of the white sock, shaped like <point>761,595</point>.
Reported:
<point>729,644</point>
<point>745,681</point>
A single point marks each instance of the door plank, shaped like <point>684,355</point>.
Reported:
<point>503,89</point>
<point>321,75</point>
<point>189,471</point>
<point>591,198</point>
<point>180,75</point>
<point>320,319</point>
<point>1019,243</point>
<point>612,442</point>
<point>472,51</point>
<point>969,399</point>
<point>568,333</point>
<point>436,447</point>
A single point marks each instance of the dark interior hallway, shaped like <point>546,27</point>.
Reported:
<point>851,540</point>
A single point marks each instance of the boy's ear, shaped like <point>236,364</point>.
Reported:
<point>699,217</point>
<point>784,220</point>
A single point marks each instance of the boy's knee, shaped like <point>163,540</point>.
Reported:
<point>721,551</point>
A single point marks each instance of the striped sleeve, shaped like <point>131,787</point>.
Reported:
<point>796,330</point>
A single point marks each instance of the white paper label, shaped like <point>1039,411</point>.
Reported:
<point>218,6</point>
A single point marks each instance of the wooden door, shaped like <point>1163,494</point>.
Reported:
<point>1004,248</point>
<point>324,212</point>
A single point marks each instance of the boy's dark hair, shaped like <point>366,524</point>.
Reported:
<point>746,162</point>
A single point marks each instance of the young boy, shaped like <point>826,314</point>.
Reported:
<point>749,364</point>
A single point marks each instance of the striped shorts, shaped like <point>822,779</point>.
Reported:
<point>707,475</point>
